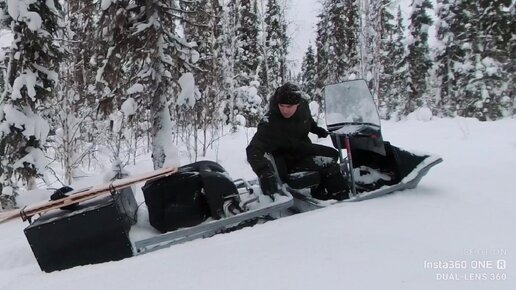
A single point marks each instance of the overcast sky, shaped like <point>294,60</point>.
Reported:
<point>302,15</point>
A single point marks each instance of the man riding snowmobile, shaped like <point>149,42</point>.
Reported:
<point>283,133</point>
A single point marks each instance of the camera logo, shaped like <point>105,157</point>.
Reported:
<point>501,264</point>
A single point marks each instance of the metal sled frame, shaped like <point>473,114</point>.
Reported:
<point>282,201</point>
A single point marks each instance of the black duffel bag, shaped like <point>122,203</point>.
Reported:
<point>175,201</point>
<point>188,197</point>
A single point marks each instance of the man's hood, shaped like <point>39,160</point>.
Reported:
<point>274,105</point>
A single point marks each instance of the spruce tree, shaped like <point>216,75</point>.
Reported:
<point>487,59</point>
<point>30,79</point>
<point>448,55</point>
<point>342,45</point>
<point>419,62</point>
<point>142,43</point>
<point>309,74</point>
<point>481,55</point>
<point>276,42</point>
<point>337,42</point>
<point>229,24</point>
<point>377,34</point>
<point>350,31</point>
<point>247,54</point>
<point>204,25</point>
<point>115,59</point>
<point>70,110</point>
<point>321,55</point>
<point>391,87</point>
<point>398,94</point>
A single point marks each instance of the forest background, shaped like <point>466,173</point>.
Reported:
<point>85,81</point>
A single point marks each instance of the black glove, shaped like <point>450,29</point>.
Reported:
<point>321,132</point>
<point>269,183</point>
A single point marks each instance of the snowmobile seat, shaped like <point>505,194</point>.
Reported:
<point>296,180</point>
<point>303,179</point>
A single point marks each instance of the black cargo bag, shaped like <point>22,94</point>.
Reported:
<point>95,231</point>
<point>188,197</point>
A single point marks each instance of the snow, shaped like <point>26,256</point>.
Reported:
<point>463,210</point>
<point>421,114</point>
<point>32,124</point>
<point>314,109</point>
<point>51,5</point>
<point>136,88</point>
<point>322,161</point>
<point>194,58</point>
<point>36,157</point>
<point>51,75</point>
<point>302,28</point>
<point>104,5</point>
<point>162,141</point>
<point>18,9</point>
<point>240,120</point>
<point>187,95</point>
<point>129,107</point>
<point>26,79</point>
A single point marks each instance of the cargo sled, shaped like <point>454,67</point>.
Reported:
<point>99,224</point>
<point>372,166</point>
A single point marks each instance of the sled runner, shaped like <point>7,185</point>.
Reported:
<point>373,167</point>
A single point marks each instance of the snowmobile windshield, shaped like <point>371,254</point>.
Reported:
<point>350,107</point>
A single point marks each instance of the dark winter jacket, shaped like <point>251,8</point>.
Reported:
<point>285,137</point>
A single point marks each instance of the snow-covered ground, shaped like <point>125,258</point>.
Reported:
<point>462,213</point>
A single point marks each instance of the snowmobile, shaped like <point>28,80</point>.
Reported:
<point>373,167</point>
<point>200,200</point>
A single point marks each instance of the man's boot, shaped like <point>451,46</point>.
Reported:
<point>336,184</point>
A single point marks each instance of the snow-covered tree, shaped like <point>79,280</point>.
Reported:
<point>393,79</point>
<point>321,56</point>
<point>229,24</point>
<point>71,108</point>
<point>447,57</point>
<point>376,29</point>
<point>162,64</point>
<point>249,104</point>
<point>350,31</point>
<point>418,60</point>
<point>30,80</point>
<point>487,31</point>
<point>247,59</point>
<point>274,68</point>
<point>247,53</point>
<point>205,26</point>
<point>337,42</point>
<point>309,74</point>
<point>144,57</point>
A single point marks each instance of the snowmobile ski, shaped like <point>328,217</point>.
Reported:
<point>303,202</point>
